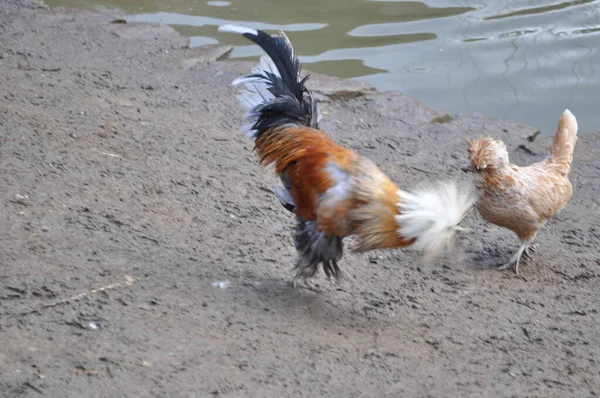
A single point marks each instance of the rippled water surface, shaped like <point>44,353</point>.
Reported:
<point>524,61</point>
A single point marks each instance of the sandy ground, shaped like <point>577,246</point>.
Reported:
<point>121,168</point>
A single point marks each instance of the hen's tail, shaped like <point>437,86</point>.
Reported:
<point>564,142</point>
<point>275,94</point>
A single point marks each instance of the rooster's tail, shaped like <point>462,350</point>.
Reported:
<point>426,219</point>
<point>431,216</point>
<point>564,142</point>
<point>275,94</point>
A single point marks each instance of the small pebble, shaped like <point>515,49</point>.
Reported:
<point>92,325</point>
<point>21,199</point>
<point>221,284</point>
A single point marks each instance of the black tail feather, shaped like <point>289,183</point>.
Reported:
<point>281,52</point>
<point>276,94</point>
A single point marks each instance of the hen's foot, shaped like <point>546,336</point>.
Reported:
<point>514,260</point>
<point>531,250</point>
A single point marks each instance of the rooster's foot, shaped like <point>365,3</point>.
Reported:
<point>308,285</point>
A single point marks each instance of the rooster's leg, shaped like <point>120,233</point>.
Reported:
<point>515,259</point>
<point>309,286</point>
<point>305,271</point>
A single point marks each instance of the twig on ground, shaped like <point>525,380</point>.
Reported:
<point>128,282</point>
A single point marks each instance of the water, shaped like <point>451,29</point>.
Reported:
<point>524,61</point>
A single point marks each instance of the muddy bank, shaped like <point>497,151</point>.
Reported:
<point>121,167</point>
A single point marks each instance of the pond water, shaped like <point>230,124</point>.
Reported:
<point>524,61</point>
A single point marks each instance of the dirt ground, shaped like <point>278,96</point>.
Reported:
<point>121,168</point>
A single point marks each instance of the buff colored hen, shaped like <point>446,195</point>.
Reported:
<point>523,199</point>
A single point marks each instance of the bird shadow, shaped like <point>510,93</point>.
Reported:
<point>331,304</point>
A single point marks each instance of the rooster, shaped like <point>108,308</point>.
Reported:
<point>523,199</point>
<point>333,191</point>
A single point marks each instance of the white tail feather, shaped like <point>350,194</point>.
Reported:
<point>256,90</point>
<point>266,65</point>
<point>431,216</point>
<point>237,29</point>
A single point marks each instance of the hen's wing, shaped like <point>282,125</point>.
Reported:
<point>549,190</point>
<point>523,199</point>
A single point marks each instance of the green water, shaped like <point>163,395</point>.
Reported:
<point>524,61</point>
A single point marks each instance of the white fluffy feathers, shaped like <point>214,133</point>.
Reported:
<point>431,215</point>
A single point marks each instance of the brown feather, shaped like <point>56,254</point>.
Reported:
<point>303,153</point>
<point>375,218</point>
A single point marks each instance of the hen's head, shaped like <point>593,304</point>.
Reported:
<point>486,153</point>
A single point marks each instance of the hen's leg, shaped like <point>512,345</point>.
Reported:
<point>515,259</point>
<point>530,250</point>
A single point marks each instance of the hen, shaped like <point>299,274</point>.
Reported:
<point>523,199</point>
<point>333,191</point>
